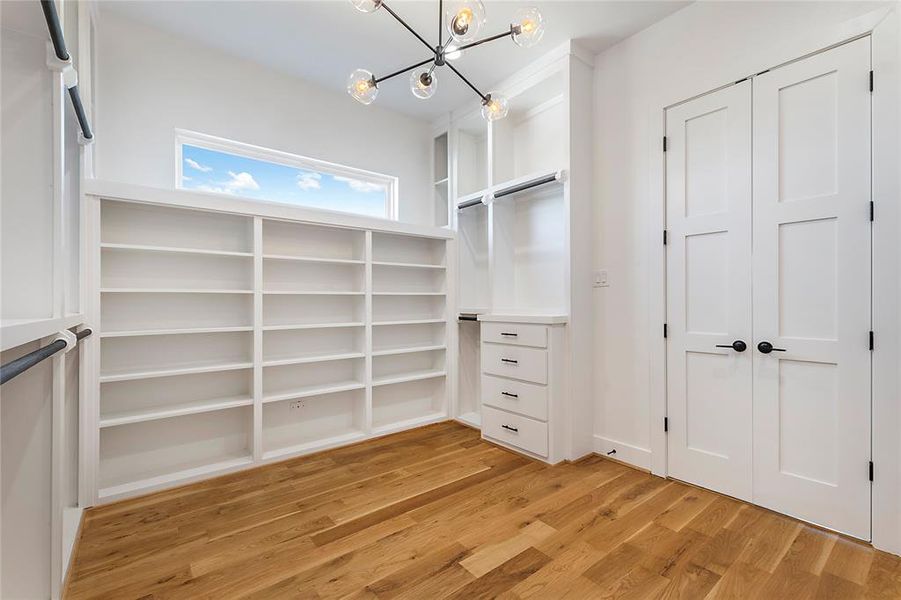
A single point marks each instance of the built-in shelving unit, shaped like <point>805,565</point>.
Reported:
<point>231,339</point>
<point>441,179</point>
<point>522,189</point>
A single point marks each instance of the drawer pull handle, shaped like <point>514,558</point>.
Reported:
<point>511,428</point>
<point>509,395</point>
<point>510,361</point>
<point>509,334</point>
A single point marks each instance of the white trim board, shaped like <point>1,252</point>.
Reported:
<point>627,453</point>
<point>115,190</point>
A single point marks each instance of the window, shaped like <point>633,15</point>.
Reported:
<point>216,165</point>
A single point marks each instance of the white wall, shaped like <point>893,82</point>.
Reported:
<point>703,46</point>
<point>150,82</point>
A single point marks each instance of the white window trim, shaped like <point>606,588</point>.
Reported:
<point>210,142</point>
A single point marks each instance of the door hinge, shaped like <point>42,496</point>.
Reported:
<point>665,424</point>
<point>872,340</point>
<point>664,143</point>
<point>871,81</point>
<point>664,330</point>
<point>872,211</point>
<point>871,470</point>
<point>664,237</point>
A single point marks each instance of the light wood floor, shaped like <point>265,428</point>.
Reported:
<point>437,513</point>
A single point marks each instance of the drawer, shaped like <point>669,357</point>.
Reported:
<point>516,396</point>
<point>516,430</point>
<point>518,362</point>
<point>518,334</point>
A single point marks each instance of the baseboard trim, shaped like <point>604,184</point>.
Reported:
<point>627,453</point>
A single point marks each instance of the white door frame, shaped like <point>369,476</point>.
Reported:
<point>884,26</point>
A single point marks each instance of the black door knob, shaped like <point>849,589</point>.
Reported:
<point>766,348</point>
<point>737,345</point>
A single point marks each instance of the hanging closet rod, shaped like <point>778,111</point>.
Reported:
<point>515,188</point>
<point>467,317</point>
<point>22,364</point>
<point>59,48</point>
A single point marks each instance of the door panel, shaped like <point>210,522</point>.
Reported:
<point>812,289</point>
<point>708,200</point>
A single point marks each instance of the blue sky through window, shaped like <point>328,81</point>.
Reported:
<point>224,173</point>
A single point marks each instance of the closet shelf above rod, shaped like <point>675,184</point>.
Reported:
<point>513,187</point>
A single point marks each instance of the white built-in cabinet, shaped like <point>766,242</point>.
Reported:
<point>226,340</point>
<point>523,251</point>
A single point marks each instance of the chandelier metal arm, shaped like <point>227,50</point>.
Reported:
<point>402,71</point>
<point>489,39</point>
<point>410,29</point>
<point>440,23</point>
<point>467,82</point>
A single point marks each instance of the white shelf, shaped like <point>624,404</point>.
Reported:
<point>312,359</point>
<point>311,293</point>
<point>150,374</point>
<point>319,390</point>
<point>410,322</point>
<point>172,249</point>
<point>433,417</point>
<point>170,291</point>
<point>315,446</point>
<point>140,416</point>
<point>473,419</point>
<point>312,326</point>
<point>382,263</point>
<point>545,319</point>
<point>314,259</point>
<point>182,331</point>
<point>405,377</point>
<point>170,479</point>
<point>409,293</point>
<point>410,350</point>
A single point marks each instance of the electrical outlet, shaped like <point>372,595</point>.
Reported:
<point>600,278</point>
<point>297,404</point>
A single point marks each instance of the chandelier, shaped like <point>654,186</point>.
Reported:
<point>463,19</point>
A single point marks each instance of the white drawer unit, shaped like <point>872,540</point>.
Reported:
<point>518,334</point>
<point>515,430</point>
<point>527,399</point>
<point>523,390</point>
<point>517,362</point>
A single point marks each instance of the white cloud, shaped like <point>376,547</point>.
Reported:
<point>214,189</point>
<point>308,181</point>
<point>356,185</point>
<point>196,165</point>
<point>186,178</point>
<point>241,181</point>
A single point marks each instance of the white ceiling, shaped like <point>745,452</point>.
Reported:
<point>323,41</point>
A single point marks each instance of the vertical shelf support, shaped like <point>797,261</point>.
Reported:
<point>257,434</point>
<point>367,349</point>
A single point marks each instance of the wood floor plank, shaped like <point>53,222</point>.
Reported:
<point>437,513</point>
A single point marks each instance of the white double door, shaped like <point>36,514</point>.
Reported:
<point>768,289</point>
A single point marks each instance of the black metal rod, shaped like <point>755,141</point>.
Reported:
<point>23,363</point>
<point>440,23</point>
<point>59,48</point>
<point>487,39</point>
<point>466,81</point>
<point>468,203</point>
<point>410,29</point>
<point>467,317</point>
<point>56,30</point>
<point>80,113</point>
<point>526,185</point>
<point>402,71</point>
